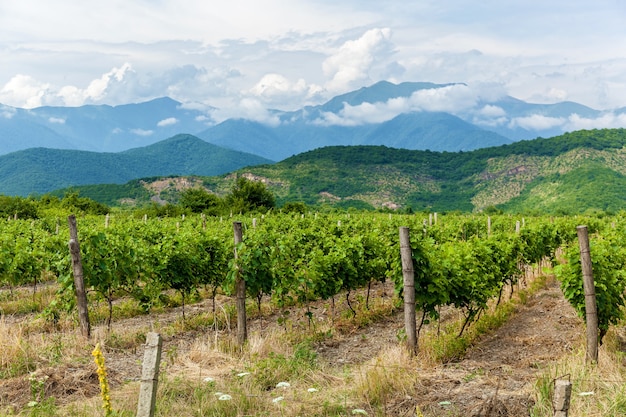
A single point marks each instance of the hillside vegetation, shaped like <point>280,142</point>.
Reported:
<point>576,172</point>
<point>42,170</point>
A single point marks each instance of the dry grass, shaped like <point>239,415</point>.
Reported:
<point>390,374</point>
<point>199,363</point>
<point>597,390</point>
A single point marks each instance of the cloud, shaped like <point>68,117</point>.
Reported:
<point>608,120</point>
<point>573,122</point>
<point>456,99</point>
<point>536,122</point>
<point>275,90</point>
<point>167,122</point>
<point>98,89</point>
<point>491,111</point>
<point>142,132</point>
<point>56,120</point>
<point>248,108</point>
<point>23,91</point>
<point>352,62</point>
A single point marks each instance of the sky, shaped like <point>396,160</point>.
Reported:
<point>241,57</point>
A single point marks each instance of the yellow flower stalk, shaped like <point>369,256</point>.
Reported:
<point>104,382</point>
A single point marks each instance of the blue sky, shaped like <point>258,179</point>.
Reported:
<point>241,57</point>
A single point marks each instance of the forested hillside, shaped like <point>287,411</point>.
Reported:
<point>40,170</point>
<point>572,173</point>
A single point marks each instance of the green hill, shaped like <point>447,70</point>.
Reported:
<point>572,173</point>
<point>41,170</point>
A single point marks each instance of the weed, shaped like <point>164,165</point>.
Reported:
<point>104,382</point>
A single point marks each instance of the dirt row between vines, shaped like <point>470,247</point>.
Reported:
<point>494,378</point>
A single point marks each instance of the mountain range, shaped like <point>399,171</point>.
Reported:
<point>362,117</point>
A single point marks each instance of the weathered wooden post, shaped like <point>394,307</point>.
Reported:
<point>240,287</point>
<point>591,308</point>
<point>408,275</point>
<point>149,375</point>
<point>562,395</point>
<point>79,284</point>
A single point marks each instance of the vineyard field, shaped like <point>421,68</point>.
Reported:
<point>323,307</point>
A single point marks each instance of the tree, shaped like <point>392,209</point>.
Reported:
<point>19,207</point>
<point>247,195</point>
<point>73,201</point>
<point>199,200</point>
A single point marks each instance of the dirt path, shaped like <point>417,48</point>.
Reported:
<point>496,376</point>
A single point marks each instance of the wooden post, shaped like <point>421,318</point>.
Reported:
<point>106,221</point>
<point>488,226</point>
<point>517,227</point>
<point>149,375</point>
<point>591,308</point>
<point>240,286</point>
<point>562,395</point>
<point>408,275</point>
<point>79,283</point>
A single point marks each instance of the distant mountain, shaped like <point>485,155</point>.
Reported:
<point>41,170</point>
<point>572,173</point>
<point>97,128</point>
<point>360,117</point>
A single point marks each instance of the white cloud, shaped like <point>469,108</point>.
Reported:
<point>455,99</point>
<point>56,120</point>
<point>276,89</point>
<point>142,132</point>
<point>248,108</point>
<point>23,91</point>
<point>536,122</point>
<point>607,120</point>
<point>167,122</point>
<point>352,62</point>
<point>98,89</point>
<point>491,111</point>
